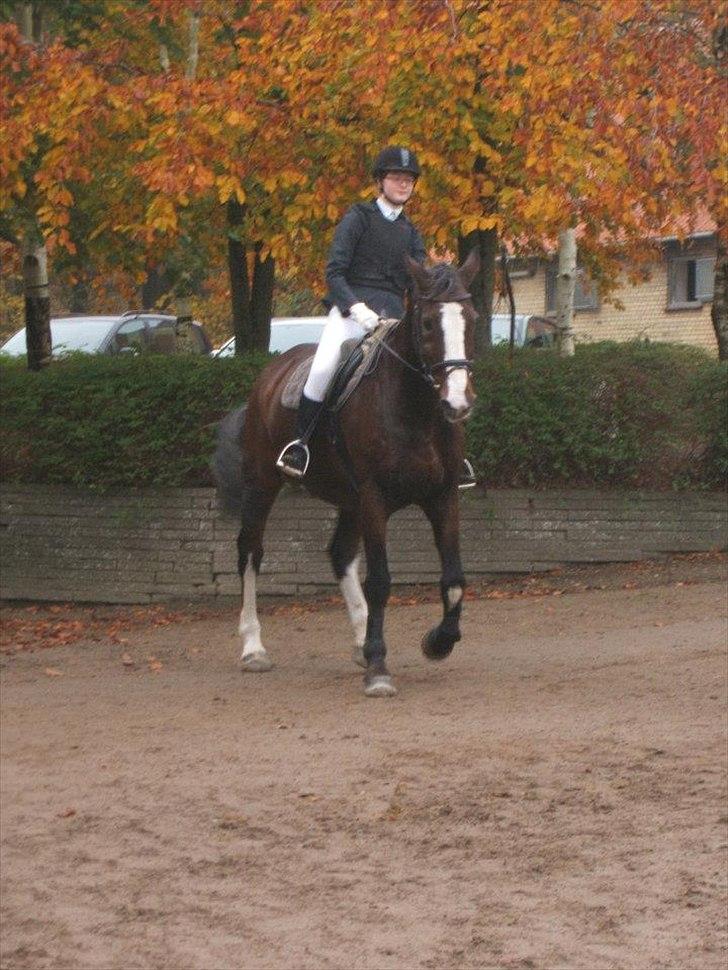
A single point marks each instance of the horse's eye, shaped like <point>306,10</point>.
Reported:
<point>427,326</point>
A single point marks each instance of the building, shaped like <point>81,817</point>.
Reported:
<point>672,305</point>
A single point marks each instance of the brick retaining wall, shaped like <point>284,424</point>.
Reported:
<point>136,547</point>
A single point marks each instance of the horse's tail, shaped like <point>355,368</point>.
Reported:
<point>227,462</point>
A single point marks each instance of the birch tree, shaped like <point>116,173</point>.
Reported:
<point>36,292</point>
<point>565,289</point>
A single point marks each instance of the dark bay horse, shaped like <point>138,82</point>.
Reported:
<point>403,433</point>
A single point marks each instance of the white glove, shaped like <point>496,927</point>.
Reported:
<point>365,317</point>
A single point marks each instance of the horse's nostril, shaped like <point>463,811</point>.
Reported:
<point>454,414</point>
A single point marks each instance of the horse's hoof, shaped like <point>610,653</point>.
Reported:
<point>436,646</point>
<point>380,686</point>
<point>256,663</point>
<point>357,655</point>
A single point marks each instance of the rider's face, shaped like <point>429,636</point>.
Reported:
<point>397,187</point>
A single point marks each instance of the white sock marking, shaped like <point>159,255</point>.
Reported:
<point>355,602</point>
<point>249,627</point>
<point>453,330</point>
<point>454,595</point>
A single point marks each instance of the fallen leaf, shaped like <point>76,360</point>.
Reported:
<point>127,660</point>
<point>52,672</point>
<point>67,813</point>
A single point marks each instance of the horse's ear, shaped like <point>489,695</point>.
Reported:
<point>419,274</point>
<point>470,267</point>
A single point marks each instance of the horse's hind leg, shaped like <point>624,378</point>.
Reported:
<point>256,504</point>
<point>444,516</point>
<point>343,551</point>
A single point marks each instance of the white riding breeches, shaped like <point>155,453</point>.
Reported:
<point>328,355</point>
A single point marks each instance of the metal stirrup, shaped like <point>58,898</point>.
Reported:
<point>470,472</point>
<point>294,472</point>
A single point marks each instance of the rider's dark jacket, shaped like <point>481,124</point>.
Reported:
<point>366,261</point>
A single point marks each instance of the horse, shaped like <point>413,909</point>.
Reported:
<point>399,441</point>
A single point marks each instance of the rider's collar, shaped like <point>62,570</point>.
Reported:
<point>389,212</point>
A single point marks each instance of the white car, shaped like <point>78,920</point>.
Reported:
<point>285,332</point>
<point>529,331</point>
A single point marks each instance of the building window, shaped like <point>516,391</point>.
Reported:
<point>586,294</point>
<point>520,267</point>
<point>689,281</point>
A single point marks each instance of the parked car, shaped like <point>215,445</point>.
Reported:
<point>285,332</point>
<point>530,331</point>
<point>130,333</point>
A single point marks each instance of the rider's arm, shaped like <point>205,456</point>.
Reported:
<point>417,247</point>
<point>346,236</point>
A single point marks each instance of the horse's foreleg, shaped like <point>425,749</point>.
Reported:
<point>444,516</point>
<point>257,504</point>
<point>377,681</point>
<point>345,562</point>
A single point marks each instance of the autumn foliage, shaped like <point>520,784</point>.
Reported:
<point>131,128</point>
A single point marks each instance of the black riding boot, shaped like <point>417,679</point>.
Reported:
<point>294,458</point>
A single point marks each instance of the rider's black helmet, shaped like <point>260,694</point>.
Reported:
<point>395,159</point>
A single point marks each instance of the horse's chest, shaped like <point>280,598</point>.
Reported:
<point>417,468</point>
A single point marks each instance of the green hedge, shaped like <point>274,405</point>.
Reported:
<point>621,415</point>
<point>101,422</point>
<point>624,415</point>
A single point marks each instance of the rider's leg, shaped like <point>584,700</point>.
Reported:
<point>294,458</point>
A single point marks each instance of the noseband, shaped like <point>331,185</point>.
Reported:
<point>427,371</point>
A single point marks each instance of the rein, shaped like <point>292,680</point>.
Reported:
<point>427,371</point>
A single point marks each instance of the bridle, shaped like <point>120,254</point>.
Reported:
<point>427,371</point>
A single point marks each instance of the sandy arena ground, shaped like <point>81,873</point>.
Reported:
<point>553,796</point>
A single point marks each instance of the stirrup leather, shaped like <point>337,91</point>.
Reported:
<point>288,469</point>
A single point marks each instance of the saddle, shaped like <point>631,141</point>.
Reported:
<point>358,359</point>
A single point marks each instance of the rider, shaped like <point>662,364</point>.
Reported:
<point>367,279</point>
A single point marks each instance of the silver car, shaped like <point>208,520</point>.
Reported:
<point>130,333</point>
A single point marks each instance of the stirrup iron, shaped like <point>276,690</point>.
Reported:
<point>286,469</point>
<point>470,474</point>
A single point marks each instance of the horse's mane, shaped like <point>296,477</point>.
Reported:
<point>444,284</point>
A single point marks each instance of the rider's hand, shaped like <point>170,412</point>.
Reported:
<point>365,317</point>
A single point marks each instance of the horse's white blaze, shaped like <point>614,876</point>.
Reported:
<point>356,604</point>
<point>249,627</point>
<point>453,330</point>
<point>454,595</point>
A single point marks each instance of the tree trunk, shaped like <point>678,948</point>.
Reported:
<point>35,257</point>
<point>37,303</point>
<point>193,49</point>
<point>79,302</point>
<point>239,283</point>
<point>25,20</point>
<point>565,286</point>
<point>155,286</point>
<point>261,300</point>
<point>483,285</point>
<point>719,309</point>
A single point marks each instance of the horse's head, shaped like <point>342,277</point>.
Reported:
<point>443,331</point>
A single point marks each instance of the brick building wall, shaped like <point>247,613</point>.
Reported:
<point>138,547</point>
<point>644,315</point>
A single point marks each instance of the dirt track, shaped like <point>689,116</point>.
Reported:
<point>551,796</point>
